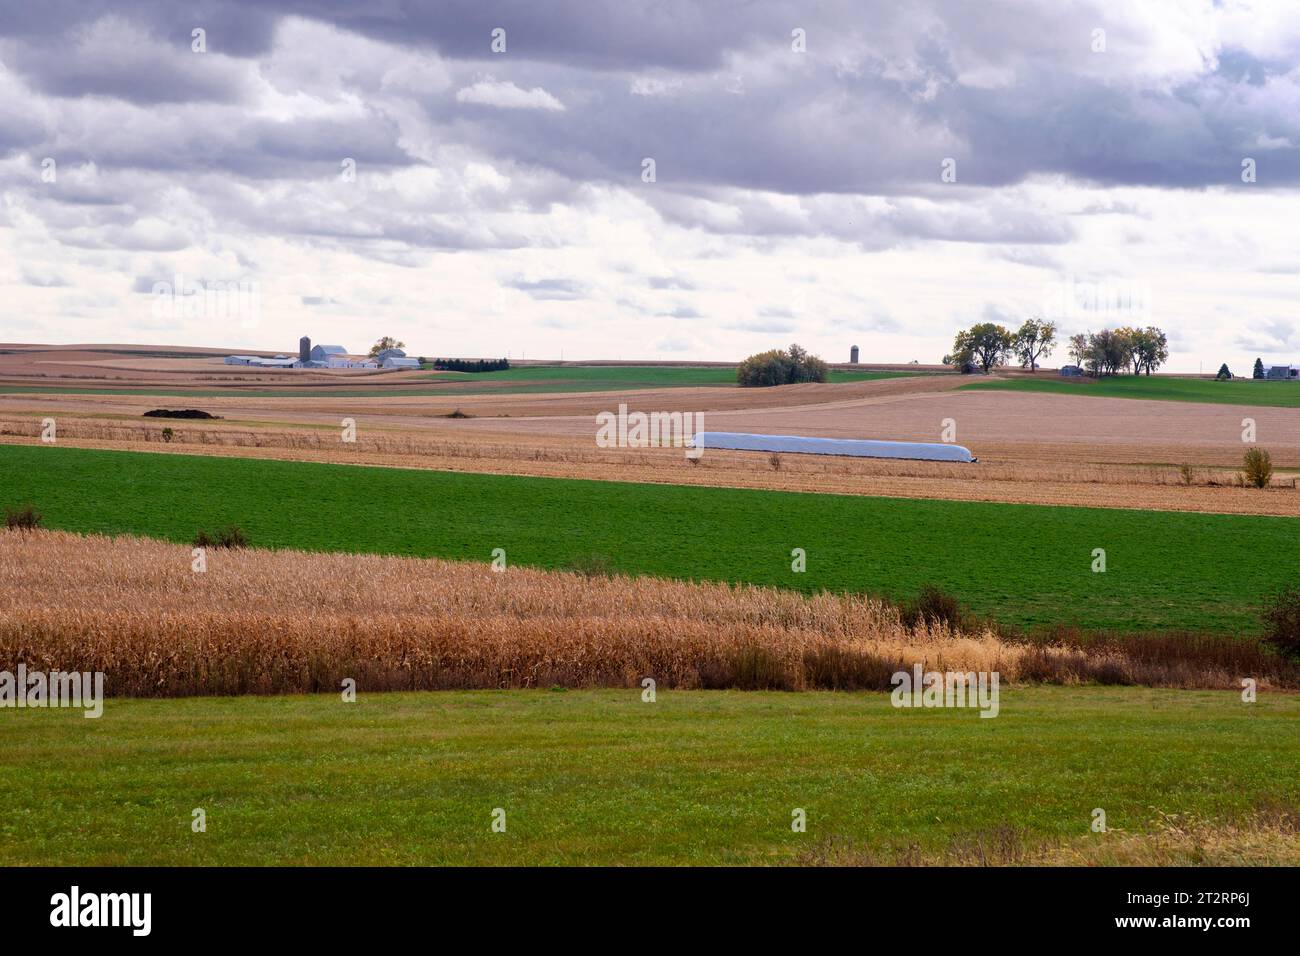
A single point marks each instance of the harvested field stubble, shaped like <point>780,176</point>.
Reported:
<point>1068,482</point>
<point>289,622</point>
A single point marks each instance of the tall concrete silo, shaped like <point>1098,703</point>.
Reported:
<point>304,349</point>
<point>853,355</point>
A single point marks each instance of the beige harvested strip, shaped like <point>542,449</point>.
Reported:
<point>1071,483</point>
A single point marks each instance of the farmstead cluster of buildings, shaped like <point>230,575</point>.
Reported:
<point>326,356</point>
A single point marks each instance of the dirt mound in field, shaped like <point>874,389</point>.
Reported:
<point>179,413</point>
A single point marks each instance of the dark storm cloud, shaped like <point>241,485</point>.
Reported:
<point>229,145</point>
<point>675,34</point>
<point>237,29</point>
<point>817,131</point>
<point>373,139</point>
<point>252,133</point>
<point>139,74</point>
<point>800,133</point>
<point>1238,66</point>
<point>18,129</point>
<point>1080,127</point>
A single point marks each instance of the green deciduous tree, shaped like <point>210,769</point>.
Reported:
<point>1034,340</point>
<point>985,344</point>
<point>1079,348</point>
<point>1151,349</point>
<point>1108,352</point>
<point>781,367</point>
<point>387,342</point>
<point>1111,350</point>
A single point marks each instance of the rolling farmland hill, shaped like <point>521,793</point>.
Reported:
<point>1024,564</point>
<point>1158,388</point>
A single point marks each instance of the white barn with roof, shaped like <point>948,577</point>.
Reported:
<point>323,353</point>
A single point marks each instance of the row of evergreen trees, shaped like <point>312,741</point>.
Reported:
<point>468,365</point>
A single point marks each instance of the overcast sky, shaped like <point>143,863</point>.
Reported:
<point>838,173</point>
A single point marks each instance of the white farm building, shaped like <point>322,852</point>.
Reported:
<point>319,356</point>
<point>323,353</point>
<point>260,361</point>
<point>345,362</point>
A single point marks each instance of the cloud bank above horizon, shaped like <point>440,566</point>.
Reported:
<point>683,180</point>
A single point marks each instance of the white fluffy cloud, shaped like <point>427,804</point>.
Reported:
<point>506,95</point>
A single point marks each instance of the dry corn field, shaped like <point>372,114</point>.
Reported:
<point>286,622</point>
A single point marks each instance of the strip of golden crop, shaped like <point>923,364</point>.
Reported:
<point>259,621</point>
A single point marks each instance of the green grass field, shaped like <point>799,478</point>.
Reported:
<point>608,378</point>
<point>600,377</point>
<point>599,777</point>
<point>1158,388</point>
<point>1023,564</point>
<point>527,380</point>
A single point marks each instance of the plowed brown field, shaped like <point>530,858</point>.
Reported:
<point>1033,448</point>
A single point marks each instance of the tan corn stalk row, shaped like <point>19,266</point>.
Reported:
<point>286,622</point>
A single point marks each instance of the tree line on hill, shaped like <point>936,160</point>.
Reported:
<point>467,365</point>
<point>440,364</point>
<point>987,345</point>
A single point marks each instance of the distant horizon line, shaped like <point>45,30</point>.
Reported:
<point>200,350</point>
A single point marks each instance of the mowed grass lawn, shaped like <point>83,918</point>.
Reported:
<point>1023,564</point>
<point>1277,394</point>
<point>600,777</point>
